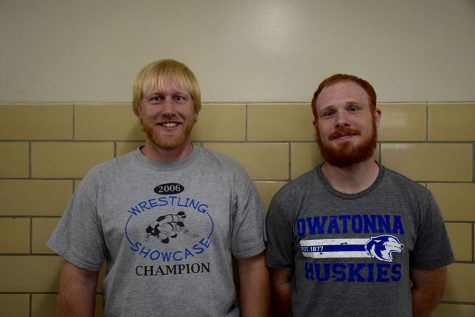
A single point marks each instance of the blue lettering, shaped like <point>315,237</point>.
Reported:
<point>135,247</point>
<point>188,253</point>
<point>176,256</point>
<point>144,252</point>
<point>166,256</point>
<point>384,221</point>
<point>369,223</point>
<point>339,273</point>
<point>396,269</point>
<point>383,272</point>
<point>134,210</point>
<point>309,271</point>
<point>202,208</point>
<point>354,271</point>
<point>162,201</point>
<point>344,219</point>
<point>155,255</point>
<point>153,203</point>
<point>326,276</point>
<point>398,227</point>
<point>333,225</point>
<point>356,221</point>
<point>300,227</point>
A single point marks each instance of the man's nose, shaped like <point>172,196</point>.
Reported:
<point>341,119</point>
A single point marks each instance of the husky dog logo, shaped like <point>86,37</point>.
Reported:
<point>168,226</point>
<point>382,247</point>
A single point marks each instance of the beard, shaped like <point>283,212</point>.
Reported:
<point>163,141</point>
<point>346,154</point>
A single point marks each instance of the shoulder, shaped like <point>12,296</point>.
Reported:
<point>300,186</point>
<point>111,168</point>
<point>215,160</point>
<point>403,182</point>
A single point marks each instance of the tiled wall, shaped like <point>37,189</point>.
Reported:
<point>46,149</point>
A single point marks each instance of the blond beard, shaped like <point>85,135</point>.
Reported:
<point>164,142</point>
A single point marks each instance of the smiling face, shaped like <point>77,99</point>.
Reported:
<point>167,116</point>
<point>345,124</point>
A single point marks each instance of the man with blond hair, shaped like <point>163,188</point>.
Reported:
<point>351,237</point>
<point>169,219</point>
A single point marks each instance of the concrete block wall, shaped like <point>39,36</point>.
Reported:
<point>45,150</point>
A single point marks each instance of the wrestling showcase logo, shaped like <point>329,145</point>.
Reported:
<point>169,229</point>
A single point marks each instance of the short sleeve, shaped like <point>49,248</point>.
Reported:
<point>78,237</point>
<point>432,248</point>
<point>248,232</point>
<point>280,252</point>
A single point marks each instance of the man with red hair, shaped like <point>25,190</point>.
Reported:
<point>351,237</point>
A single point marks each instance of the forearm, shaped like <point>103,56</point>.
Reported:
<point>423,304</point>
<point>281,281</point>
<point>77,292</point>
<point>427,290</point>
<point>255,290</point>
<point>281,300</point>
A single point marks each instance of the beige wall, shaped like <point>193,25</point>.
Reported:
<point>241,51</point>
<point>47,149</point>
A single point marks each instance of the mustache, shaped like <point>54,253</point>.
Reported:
<point>343,132</point>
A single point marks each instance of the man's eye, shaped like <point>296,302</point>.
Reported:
<point>353,109</point>
<point>180,98</point>
<point>155,99</point>
<point>328,114</point>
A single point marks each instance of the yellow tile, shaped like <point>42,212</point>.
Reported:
<point>402,122</point>
<point>452,122</point>
<point>220,122</point>
<point>29,273</point>
<point>456,201</point>
<point>267,190</point>
<point>14,160</point>
<point>17,305</point>
<point>14,235</point>
<point>68,159</point>
<point>36,122</point>
<point>106,122</point>
<point>45,305</point>
<point>263,161</point>
<point>304,157</point>
<point>460,235</point>
<point>126,147</point>
<point>280,122</point>
<point>460,283</point>
<point>41,231</point>
<point>34,197</point>
<point>429,162</point>
<point>454,310</point>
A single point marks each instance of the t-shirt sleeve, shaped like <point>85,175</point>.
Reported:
<point>279,251</point>
<point>248,232</point>
<point>432,248</point>
<point>78,236</point>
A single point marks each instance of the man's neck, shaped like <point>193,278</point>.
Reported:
<point>352,179</point>
<point>156,153</point>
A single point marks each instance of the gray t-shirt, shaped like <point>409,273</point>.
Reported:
<point>168,232</point>
<point>351,254</point>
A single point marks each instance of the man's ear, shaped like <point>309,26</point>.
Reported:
<point>377,116</point>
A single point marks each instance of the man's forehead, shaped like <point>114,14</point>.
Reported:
<point>342,92</point>
<point>161,85</point>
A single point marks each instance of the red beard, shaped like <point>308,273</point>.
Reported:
<point>347,154</point>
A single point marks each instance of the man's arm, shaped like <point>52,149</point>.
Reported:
<point>254,286</point>
<point>77,291</point>
<point>427,290</point>
<point>281,286</point>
